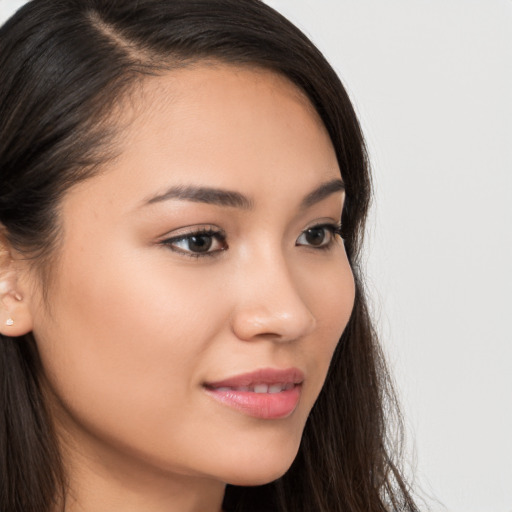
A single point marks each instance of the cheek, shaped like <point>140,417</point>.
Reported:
<point>121,352</point>
<point>331,298</point>
<point>329,292</point>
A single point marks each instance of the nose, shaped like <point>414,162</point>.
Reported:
<point>269,304</point>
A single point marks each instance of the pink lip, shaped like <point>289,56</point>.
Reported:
<point>260,405</point>
<point>263,376</point>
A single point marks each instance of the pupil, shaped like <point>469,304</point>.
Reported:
<point>315,236</point>
<point>200,243</point>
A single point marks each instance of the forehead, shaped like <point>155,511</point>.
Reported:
<point>213,84</point>
<point>216,108</point>
<point>218,125</point>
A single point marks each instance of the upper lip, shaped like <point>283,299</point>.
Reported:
<point>262,376</point>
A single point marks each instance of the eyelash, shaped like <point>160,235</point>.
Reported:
<point>217,234</point>
<point>220,236</point>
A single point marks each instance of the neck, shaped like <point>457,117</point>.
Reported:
<point>102,493</point>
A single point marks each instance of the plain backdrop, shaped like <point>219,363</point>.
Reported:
<point>432,83</point>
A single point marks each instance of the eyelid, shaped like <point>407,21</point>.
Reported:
<point>333,227</point>
<point>191,231</point>
<point>327,223</point>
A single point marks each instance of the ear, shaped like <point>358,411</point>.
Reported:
<point>15,314</point>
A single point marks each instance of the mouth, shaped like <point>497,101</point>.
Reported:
<point>265,394</point>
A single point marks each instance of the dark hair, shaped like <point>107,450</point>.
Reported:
<point>65,65</point>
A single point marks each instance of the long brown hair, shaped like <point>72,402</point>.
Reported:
<point>65,65</point>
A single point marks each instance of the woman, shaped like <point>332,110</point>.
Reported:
<point>183,321</point>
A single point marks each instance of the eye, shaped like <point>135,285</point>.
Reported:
<point>204,242</point>
<point>321,236</point>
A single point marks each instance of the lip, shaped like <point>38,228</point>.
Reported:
<point>267,376</point>
<point>268,406</point>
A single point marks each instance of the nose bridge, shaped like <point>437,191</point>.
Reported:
<point>270,302</point>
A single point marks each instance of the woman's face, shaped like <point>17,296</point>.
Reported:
<point>205,252</point>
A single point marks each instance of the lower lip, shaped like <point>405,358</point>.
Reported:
<point>268,406</point>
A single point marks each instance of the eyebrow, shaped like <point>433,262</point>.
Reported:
<point>208,195</point>
<point>233,199</point>
<point>322,192</point>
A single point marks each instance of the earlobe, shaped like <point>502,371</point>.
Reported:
<point>15,315</point>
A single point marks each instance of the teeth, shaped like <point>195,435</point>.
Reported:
<point>261,388</point>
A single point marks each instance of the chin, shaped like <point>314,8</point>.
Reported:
<point>252,479</point>
<point>260,469</point>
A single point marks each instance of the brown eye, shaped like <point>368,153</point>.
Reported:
<point>318,236</point>
<point>202,243</point>
<point>315,236</point>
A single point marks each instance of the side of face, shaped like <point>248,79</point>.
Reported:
<point>157,294</point>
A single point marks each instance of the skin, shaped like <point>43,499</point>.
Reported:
<point>137,325</point>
